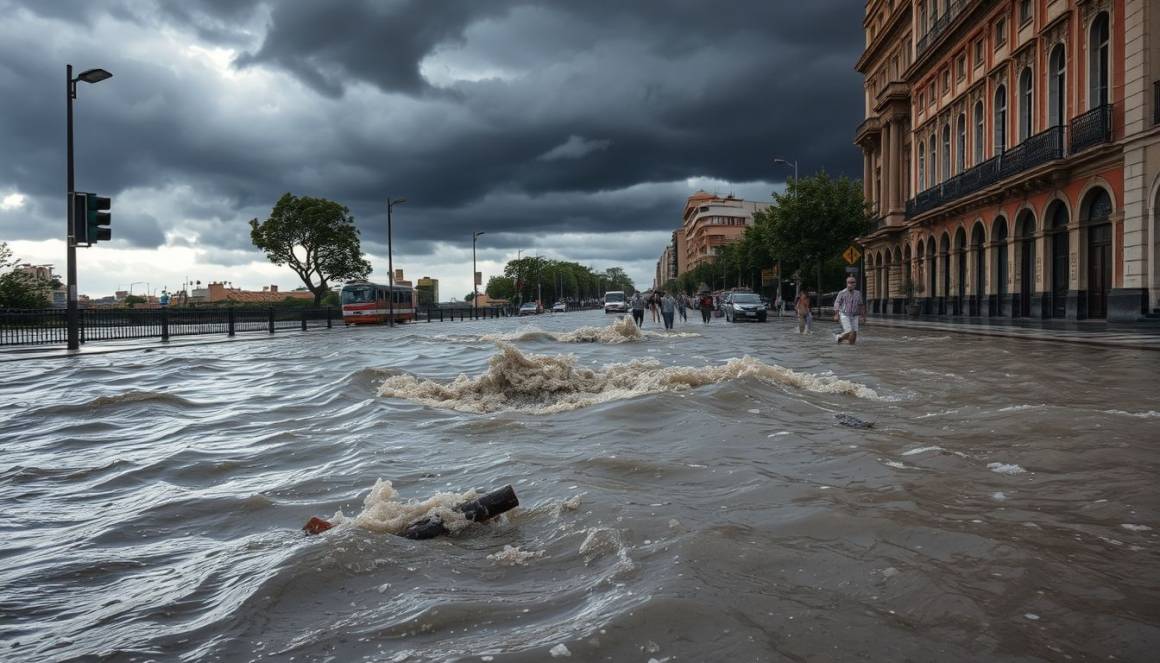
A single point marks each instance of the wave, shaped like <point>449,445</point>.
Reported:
<point>383,512</point>
<point>619,331</point>
<point>1139,415</point>
<point>546,384</point>
<point>123,398</point>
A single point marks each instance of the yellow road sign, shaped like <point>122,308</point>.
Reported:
<point>851,254</point>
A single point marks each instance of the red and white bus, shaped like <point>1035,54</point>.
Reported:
<point>367,303</point>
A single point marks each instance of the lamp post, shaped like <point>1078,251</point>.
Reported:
<point>88,76</point>
<point>474,281</point>
<point>776,161</point>
<point>390,260</point>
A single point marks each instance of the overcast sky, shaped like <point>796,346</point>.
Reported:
<point>574,129</point>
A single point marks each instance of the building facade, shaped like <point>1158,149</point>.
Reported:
<point>1011,153</point>
<point>427,289</point>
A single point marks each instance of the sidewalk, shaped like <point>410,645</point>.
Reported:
<point>1136,336</point>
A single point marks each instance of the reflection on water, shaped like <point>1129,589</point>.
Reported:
<point>688,495</point>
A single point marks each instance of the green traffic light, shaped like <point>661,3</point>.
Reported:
<point>98,220</point>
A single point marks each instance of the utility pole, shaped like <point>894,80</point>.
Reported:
<point>390,260</point>
<point>474,273</point>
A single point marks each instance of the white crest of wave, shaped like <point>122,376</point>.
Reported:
<point>623,330</point>
<point>546,384</point>
<point>384,512</point>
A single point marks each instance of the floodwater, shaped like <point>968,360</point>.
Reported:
<point>689,497</point>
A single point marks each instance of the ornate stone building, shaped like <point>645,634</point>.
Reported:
<point>1012,157</point>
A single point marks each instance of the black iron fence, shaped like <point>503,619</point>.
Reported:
<point>1091,128</point>
<point>1044,147</point>
<point>48,326</point>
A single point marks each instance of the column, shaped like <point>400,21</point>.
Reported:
<point>867,174</point>
<point>885,205</point>
<point>895,164</point>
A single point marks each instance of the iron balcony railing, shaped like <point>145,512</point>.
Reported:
<point>940,24</point>
<point>1043,147</point>
<point>1091,128</point>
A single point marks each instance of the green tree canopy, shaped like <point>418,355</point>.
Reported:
<point>316,238</point>
<point>18,288</point>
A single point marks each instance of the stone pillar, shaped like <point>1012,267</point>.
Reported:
<point>884,205</point>
<point>867,174</point>
<point>895,165</point>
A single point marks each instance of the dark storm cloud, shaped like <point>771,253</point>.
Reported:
<point>518,117</point>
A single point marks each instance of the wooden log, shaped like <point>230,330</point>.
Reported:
<point>851,421</point>
<point>478,510</point>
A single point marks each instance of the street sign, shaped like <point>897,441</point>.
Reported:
<point>479,278</point>
<point>851,254</point>
<point>769,276</point>
<point>851,270</point>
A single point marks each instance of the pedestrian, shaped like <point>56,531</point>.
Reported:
<point>668,310</point>
<point>779,305</point>
<point>654,300</point>
<point>637,305</point>
<point>682,305</point>
<point>706,306</point>
<point>805,317</point>
<point>849,309</point>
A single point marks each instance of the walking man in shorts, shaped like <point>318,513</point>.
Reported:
<point>849,310</point>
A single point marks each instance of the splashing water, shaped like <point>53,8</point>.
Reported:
<point>619,331</point>
<point>383,512</point>
<point>547,384</point>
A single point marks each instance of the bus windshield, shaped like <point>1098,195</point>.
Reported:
<point>358,294</point>
<point>614,297</point>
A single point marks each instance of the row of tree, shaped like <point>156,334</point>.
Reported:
<point>536,278</point>
<point>804,232</point>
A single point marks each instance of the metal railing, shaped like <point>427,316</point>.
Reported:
<point>49,326</point>
<point>1091,128</point>
<point>939,25</point>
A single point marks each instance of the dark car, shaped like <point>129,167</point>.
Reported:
<point>740,306</point>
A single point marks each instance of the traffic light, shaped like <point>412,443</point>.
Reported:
<point>91,221</point>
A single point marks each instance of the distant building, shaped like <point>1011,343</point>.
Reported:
<point>708,222</point>
<point>43,274</point>
<point>428,290</point>
<point>219,292</point>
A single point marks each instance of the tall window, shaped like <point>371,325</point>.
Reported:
<point>922,17</point>
<point>921,166</point>
<point>932,174</point>
<point>1024,11</point>
<point>1000,32</point>
<point>961,144</point>
<point>1025,104</point>
<point>1000,119</point>
<point>1098,63</point>
<point>979,133</point>
<point>946,151</point>
<point>1056,87</point>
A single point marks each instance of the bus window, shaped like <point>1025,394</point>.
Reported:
<point>357,294</point>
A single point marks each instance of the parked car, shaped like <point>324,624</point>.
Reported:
<point>530,308</point>
<point>740,306</point>
<point>614,302</point>
<point>559,307</point>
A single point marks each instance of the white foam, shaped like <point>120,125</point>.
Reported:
<point>896,465</point>
<point>1032,616</point>
<point>382,512</point>
<point>936,414</point>
<point>753,411</point>
<point>921,450</point>
<point>1005,468</point>
<point>559,650</point>
<point>999,497</point>
<point>623,330</point>
<point>1018,408</point>
<point>1150,414</point>
<point>513,556</point>
<point>547,384</point>
<point>1136,528</point>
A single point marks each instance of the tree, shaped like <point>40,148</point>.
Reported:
<point>501,287</point>
<point>316,238</point>
<point>814,220</point>
<point>131,300</point>
<point>18,288</point>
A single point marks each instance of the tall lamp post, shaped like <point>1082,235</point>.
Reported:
<point>390,260</point>
<point>88,76</point>
<point>777,161</point>
<point>474,281</point>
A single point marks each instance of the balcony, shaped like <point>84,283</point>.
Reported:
<point>1043,147</point>
<point>1091,128</point>
<point>939,26</point>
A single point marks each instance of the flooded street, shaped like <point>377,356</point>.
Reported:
<point>685,497</point>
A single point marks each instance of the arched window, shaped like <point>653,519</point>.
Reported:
<point>1025,104</point>
<point>961,144</point>
<point>946,152</point>
<point>921,166</point>
<point>1000,119</point>
<point>979,133</point>
<point>1057,87</point>
<point>932,173</point>
<point>1098,62</point>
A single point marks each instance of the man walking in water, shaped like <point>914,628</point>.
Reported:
<point>801,306</point>
<point>848,309</point>
<point>668,310</point>
<point>706,306</point>
<point>637,306</point>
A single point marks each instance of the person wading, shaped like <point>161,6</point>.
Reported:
<point>654,305</point>
<point>706,306</point>
<point>848,309</point>
<point>682,305</point>
<point>801,306</point>
<point>668,310</point>
<point>637,305</point>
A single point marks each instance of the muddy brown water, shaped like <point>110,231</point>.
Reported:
<point>1003,506</point>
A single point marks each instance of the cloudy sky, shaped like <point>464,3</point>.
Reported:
<point>571,129</point>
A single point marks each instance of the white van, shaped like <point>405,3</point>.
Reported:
<point>614,302</point>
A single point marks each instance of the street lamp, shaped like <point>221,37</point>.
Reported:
<point>390,260</point>
<point>474,280</point>
<point>777,161</point>
<point>88,76</point>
